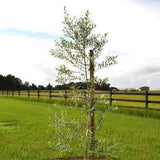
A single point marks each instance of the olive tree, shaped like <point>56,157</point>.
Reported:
<point>80,48</point>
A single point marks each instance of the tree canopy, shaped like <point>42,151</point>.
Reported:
<point>10,82</point>
<point>79,37</point>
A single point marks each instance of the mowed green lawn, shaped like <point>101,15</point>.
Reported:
<point>25,132</point>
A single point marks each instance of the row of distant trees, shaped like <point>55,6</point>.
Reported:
<point>10,82</point>
<point>82,85</point>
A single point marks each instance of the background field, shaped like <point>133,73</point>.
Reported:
<point>61,95</point>
<point>25,131</point>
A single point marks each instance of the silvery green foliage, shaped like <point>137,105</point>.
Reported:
<point>74,46</point>
<point>101,81</point>
<point>79,37</point>
<point>107,109</point>
<point>109,149</point>
<point>76,95</point>
<point>67,131</point>
<point>64,74</point>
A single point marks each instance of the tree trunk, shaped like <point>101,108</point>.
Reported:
<point>92,117</point>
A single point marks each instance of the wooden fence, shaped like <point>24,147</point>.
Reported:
<point>108,95</point>
<point>146,95</point>
<point>35,93</point>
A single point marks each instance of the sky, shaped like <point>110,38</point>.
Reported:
<point>28,29</point>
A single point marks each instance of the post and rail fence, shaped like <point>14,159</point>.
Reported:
<point>146,95</point>
<point>67,94</point>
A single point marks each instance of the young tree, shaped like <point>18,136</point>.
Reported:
<point>79,39</point>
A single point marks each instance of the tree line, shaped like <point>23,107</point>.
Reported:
<point>83,85</point>
<point>10,82</point>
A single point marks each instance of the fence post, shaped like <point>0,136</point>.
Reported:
<point>50,94</point>
<point>65,95</point>
<point>146,99</point>
<point>7,92</point>
<point>28,93</point>
<point>12,93</point>
<point>19,92</point>
<point>110,98</point>
<point>2,92</point>
<point>38,93</point>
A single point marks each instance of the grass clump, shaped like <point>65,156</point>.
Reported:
<point>148,113</point>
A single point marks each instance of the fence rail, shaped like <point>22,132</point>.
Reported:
<point>109,95</point>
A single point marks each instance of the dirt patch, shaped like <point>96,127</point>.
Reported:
<point>8,123</point>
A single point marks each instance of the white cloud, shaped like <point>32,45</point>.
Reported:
<point>21,56</point>
<point>37,15</point>
<point>133,29</point>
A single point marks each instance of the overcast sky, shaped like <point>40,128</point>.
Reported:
<point>28,29</point>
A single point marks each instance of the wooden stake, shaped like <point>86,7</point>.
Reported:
<point>92,117</point>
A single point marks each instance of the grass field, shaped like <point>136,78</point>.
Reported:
<point>25,131</point>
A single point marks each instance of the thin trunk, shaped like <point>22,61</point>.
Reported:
<point>87,138</point>
<point>92,117</point>
<point>90,132</point>
<point>85,66</point>
<point>88,120</point>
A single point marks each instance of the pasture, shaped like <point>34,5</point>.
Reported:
<point>116,98</point>
<point>25,132</point>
